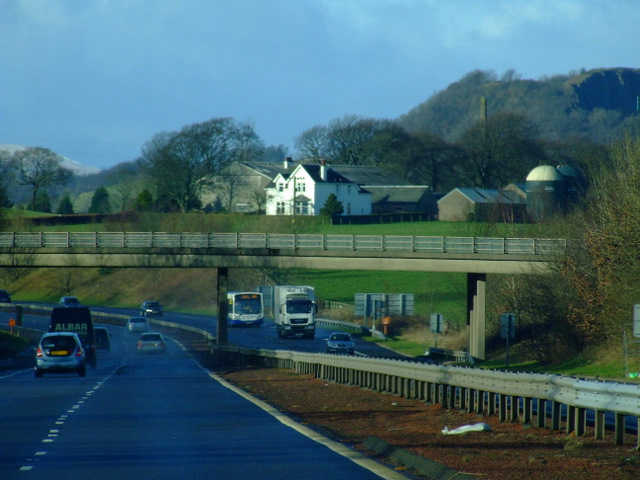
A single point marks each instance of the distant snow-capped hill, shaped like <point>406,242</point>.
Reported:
<point>75,167</point>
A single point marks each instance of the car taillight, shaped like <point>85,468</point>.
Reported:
<point>139,344</point>
<point>39,352</point>
<point>79,352</point>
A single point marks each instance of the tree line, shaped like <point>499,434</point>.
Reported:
<point>444,143</point>
<point>494,151</point>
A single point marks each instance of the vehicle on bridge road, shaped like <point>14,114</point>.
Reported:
<point>150,308</point>
<point>69,301</point>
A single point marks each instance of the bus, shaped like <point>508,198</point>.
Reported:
<point>245,308</point>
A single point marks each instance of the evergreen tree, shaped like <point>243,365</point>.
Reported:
<point>42,203</point>
<point>144,201</point>
<point>65,206</point>
<point>100,201</point>
<point>332,206</point>
<point>5,202</point>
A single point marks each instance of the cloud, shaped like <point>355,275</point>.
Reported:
<point>108,74</point>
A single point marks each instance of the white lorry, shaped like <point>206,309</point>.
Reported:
<point>294,308</point>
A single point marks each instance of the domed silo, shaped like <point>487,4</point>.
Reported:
<point>545,192</point>
<point>575,185</point>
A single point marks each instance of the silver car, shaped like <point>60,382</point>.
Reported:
<point>60,352</point>
<point>339,342</point>
<point>152,342</point>
<point>138,325</point>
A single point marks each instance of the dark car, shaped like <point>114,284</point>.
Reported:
<point>150,308</point>
<point>103,339</point>
<point>69,301</point>
<point>60,352</point>
<point>5,297</point>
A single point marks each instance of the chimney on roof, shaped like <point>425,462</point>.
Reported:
<point>323,171</point>
<point>287,161</point>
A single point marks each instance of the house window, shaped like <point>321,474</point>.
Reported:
<point>280,208</point>
<point>348,208</point>
<point>280,187</point>
<point>301,187</point>
<point>302,207</point>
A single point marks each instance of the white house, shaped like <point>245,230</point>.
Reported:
<point>306,189</point>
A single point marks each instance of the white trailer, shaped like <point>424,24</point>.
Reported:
<point>294,308</point>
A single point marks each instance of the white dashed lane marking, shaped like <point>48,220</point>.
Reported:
<point>52,436</point>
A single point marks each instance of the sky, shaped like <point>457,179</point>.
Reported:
<point>93,80</point>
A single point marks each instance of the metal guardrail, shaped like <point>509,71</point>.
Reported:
<point>278,241</point>
<point>474,389</point>
<point>511,395</point>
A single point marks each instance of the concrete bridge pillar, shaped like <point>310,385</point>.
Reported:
<point>476,313</point>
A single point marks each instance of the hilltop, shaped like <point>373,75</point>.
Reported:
<point>599,105</point>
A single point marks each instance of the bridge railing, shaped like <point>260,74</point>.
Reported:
<point>280,241</point>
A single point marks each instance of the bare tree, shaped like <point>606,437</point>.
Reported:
<point>125,187</point>
<point>230,182</point>
<point>343,141</point>
<point>501,149</point>
<point>347,138</point>
<point>183,163</point>
<point>259,200</point>
<point>312,144</point>
<point>39,168</point>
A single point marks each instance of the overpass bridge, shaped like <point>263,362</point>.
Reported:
<point>475,256</point>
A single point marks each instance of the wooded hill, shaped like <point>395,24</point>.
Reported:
<point>600,105</point>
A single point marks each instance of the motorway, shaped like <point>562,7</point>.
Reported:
<point>157,416</point>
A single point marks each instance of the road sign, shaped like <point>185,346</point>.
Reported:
<point>636,320</point>
<point>508,325</point>
<point>437,324</point>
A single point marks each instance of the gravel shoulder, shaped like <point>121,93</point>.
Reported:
<point>509,451</point>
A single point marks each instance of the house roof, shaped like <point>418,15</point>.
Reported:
<point>359,175</point>
<point>519,188</point>
<point>366,175</point>
<point>341,174</point>
<point>399,194</point>
<point>487,195</point>
<point>269,169</point>
<point>332,175</point>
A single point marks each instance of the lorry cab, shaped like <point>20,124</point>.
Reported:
<point>294,310</point>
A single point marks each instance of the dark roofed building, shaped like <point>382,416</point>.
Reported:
<point>402,199</point>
